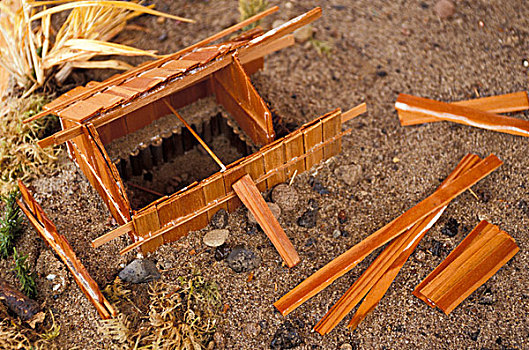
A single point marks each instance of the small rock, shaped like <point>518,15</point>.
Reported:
<point>222,252</point>
<point>437,248</point>
<point>55,274</point>
<point>308,219</point>
<point>285,196</point>
<point>242,259</point>
<point>263,324</point>
<point>277,23</point>
<point>474,335</point>
<point>303,34</point>
<point>286,337</point>
<point>342,217</point>
<point>420,255</point>
<point>523,206</point>
<point>274,208</point>
<point>140,271</point>
<point>336,233</point>
<point>346,347</point>
<point>215,238</point>
<point>382,73</point>
<point>251,329</point>
<point>444,9</point>
<point>220,219</point>
<point>451,228</point>
<point>310,242</point>
<point>163,37</point>
<point>317,186</point>
<point>350,174</point>
<point>487,299</point>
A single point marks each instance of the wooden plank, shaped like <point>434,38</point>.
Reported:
<point>383,263</point>
<point>146,224</point>
<point>313,136</point>
<point>294,148</point>
<point>346,261</point>
<point>213,188</point>
<point>252,199</point>
<point>513,102</point>
<point>461,115</point>
<point>274,157</point>
<point>231,176</point>
<point>264,50</point>
<point>332,126</point>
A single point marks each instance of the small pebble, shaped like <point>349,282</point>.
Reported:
<point>474,335</point>
<point>251,229</point>
<point>451,228</point>
<point>437,248</point>
<point>219,340</point>
<point>163,37</point>
<point>420,255</point>
<point>140,271</point>
<point>285,196</point>
<point>286,337</point>
<point>525,63</point>
<point>350,174</point>
<point>215,238</point>
<point>220,219</point>
<point>444,9</point>
<point>303,34</point>
<point>346,347</point>
<point>336,233</point>
<point>274,208</point>
<point>310,242</point>
<point>487,299</point>
<point>342,217</point>
<point>242,259</point>
<point>222,252</point>
<point>318,187</point>
<point>308,219</point>
<point>251,329</point>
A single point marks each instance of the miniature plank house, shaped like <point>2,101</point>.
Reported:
<point>95,115</point>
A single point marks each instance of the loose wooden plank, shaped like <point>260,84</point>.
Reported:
<point>419,106</point>
<point>252,199</point>
<point>118,232</point>
<point>479,256</point>
<point>402,245</point>
<point>332,125</point>
<point>354,112</point>
<point>313,136</point>
<point>346,261</point>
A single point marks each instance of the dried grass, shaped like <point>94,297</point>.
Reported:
<point>20,156</point>
<point>30,51</point>
<point>249,8</point>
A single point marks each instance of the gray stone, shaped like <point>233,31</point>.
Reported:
<point>220,219</point>
<point>242,259</point>
<point>215,238</point>
<point>274,208</point>
<point>140,271</point>
<point>285,196</point>
<point>350,174</point>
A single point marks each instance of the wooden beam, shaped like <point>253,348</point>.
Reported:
<point>346,261</point>
<point>251,198</point>
<point>61,137</point>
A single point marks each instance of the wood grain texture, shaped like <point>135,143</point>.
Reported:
<point>413,107</point>
<point>62,248</point>
<point>346,261</point>
<point>251,197</point>
<point>477,258</point>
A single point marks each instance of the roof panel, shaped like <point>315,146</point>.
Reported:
<point>141,84</point>
<point>80,110</point>
<point>181,65</point>
<point>122,91</point>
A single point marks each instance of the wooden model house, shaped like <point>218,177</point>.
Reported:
<point>95,115</point>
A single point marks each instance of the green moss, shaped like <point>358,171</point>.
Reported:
<point>23,271</point>
<point>10,224</point>
<point>249,8</point>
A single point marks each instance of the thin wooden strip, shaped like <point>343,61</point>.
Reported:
<point>346,261</point>
<point>273,46</point>
<point>107,237</point>
<point>252,199</point>
<point>477,232</point>
<point>354,112</point>
<point>400,245</point>
<point>61,136</point>
<point>480,274</point>
<point>53,108</point>
<point>462,115</point>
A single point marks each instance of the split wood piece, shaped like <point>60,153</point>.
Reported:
<point>107,237</point>
<point>419,106</point>
<point>479,256</point>
<point>354,112</point>
<point>153,64</point>
<point>27,309</point>
<point>398,251</point>
<point>513,102</point>
<point>220,202</point>
<point>197,137</point>
<point>62,248</point>
<point>345,262</point>
<point>251,197</point>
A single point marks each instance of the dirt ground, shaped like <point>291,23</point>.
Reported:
<point>380,49</point>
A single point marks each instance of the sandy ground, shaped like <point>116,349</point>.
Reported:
<point>379,50</point>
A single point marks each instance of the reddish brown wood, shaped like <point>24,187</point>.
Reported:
<point>252,199</point>
<point>346,261</point>
<point>27,309</point>
<point>410,106</point>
